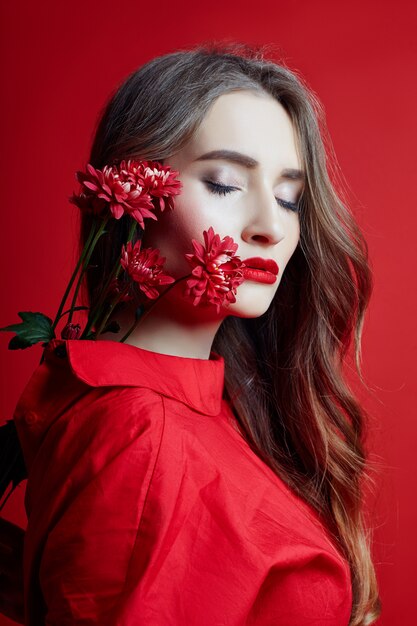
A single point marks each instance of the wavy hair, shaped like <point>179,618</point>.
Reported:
<point>284,372</point>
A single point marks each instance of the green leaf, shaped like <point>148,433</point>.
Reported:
<point>34,328</point>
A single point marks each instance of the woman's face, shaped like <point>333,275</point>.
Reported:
<point>244,201</point>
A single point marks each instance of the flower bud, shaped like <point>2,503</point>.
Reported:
<point>71,331</point>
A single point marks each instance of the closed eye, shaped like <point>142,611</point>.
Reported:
<point>222,190</point>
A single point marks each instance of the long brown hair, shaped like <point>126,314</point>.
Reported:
<point>283,370</point>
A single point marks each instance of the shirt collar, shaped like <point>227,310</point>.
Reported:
<point>197,383</point>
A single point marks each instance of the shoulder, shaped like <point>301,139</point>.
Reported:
<point>60,407</point>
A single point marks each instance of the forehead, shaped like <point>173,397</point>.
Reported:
<point>251,123</point>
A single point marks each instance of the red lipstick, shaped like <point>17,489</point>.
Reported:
<point>260,270</point>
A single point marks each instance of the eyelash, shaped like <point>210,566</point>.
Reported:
<point>225,189</point>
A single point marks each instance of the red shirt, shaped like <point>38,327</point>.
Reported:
<point>146,506</point>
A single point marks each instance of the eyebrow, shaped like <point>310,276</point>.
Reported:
<point>248,162</point>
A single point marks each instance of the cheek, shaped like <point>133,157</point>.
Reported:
<point>173,232</point>
<point>192,214</point>
<point>293,232</point>
<point>189,218</point>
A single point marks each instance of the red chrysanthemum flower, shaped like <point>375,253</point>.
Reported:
<point>161,183</point>
<point>126,188</point>
<point>158,180</point>
<point>88,203</point>
<point>71,331</point>
<point>145,267</point>
<point>120,195</point>
<point>217,270</point>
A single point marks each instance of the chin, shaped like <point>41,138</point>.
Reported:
<point>253,301</point>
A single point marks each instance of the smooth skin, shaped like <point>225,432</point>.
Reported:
<point>251,212</point>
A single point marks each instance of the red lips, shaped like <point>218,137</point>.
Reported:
<point>262,264</point>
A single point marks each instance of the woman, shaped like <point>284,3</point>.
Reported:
<point>208,470</point>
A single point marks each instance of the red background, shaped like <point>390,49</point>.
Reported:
<point>59,63</point>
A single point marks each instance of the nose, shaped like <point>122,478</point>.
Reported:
<point>265,222</point>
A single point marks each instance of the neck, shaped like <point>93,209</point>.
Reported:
<point>170,330</point>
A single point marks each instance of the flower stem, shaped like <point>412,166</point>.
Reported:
<point>142,317</point>
<point>109,312</point>
<point>96,312</point>
<point>74,274</point>
<point>85,265</point>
